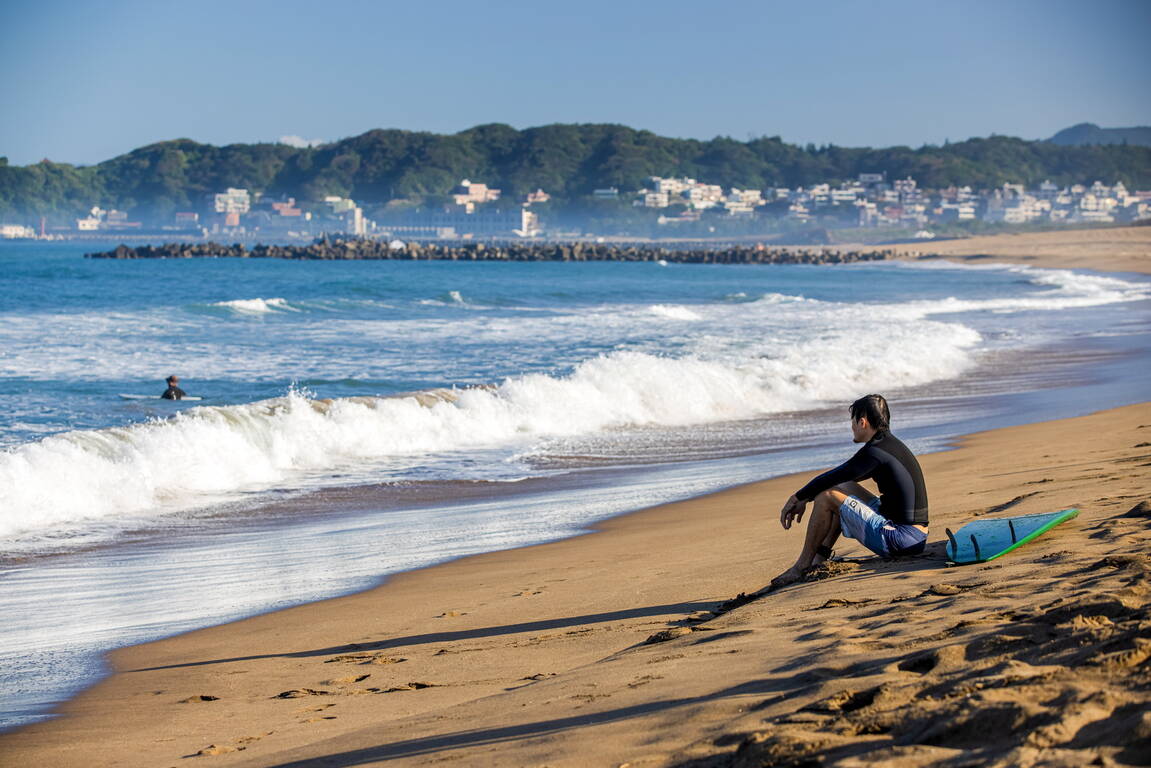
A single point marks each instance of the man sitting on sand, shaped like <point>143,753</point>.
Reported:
<point>890,525</point>
<point>173,392</point>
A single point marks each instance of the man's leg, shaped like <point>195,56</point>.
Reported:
<point>822,529</point>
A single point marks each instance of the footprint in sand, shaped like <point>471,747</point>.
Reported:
<point>346,680</point>
<point>217,749</point>
<point>197,699</point>
<point>413,686</point>
<point>668,634</point>
<point>643,680</point>
<point>839,602</point>
<point>366,658</point>
<point>948,590</point>
<point>299,693</point>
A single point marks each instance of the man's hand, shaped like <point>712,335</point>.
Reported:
<point>792,512</point>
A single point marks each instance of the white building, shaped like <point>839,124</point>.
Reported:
<point>750,196</point>
<point>1016,210</point>
<point>703,196</point>
<point>964,211</point>
<point>1047,191</point>
<point>339,205</point>
<point>868,213</point>
<point>654,199</point>
<point>672,187</point>
<point>232,201</point>
<point>472,193</point>
<point>906,189</point>
<point>846,195</point>
<point>16,231</point>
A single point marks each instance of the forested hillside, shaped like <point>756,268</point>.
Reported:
<point>567,161</point>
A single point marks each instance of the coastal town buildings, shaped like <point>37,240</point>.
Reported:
<point>871,200</point>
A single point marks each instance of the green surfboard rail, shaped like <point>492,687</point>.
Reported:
<point>985,540</point>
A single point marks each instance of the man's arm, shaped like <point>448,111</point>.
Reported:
<point>858,467</point>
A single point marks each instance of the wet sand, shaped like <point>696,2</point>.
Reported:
<point>607,649</point>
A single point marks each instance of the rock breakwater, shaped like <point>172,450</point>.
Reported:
<point>363,249</point>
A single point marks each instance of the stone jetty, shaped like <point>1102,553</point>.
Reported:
<point>365,249</point>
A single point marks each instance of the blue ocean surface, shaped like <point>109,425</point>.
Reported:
<point>363,418</point>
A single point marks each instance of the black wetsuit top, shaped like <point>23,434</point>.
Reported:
<point>173,393</point>
<point>892,465</point>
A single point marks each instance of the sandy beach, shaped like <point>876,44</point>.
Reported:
<point>545,655</point>
<point>612,648</point>
<point>1113,249</point>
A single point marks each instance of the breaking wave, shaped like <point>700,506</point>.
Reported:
<point>674,312</point>
<point>774,354</point>
<point>204,454</point>
<point>255,306</point>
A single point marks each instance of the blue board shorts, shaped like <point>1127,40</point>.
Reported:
<point>871,529</point>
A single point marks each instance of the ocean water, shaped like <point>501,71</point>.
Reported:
<point>364,418</point>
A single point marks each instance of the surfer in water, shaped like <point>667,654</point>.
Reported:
<point>892,524</point>
<point>173,392</point>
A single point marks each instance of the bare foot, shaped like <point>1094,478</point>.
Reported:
<point>790,576</point>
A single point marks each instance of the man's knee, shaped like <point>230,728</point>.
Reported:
<point>830,500</point>
<point>833,497</point>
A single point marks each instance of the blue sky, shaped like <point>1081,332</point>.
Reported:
<point>83,82</point>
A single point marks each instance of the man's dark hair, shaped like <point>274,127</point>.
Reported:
<point>874,407</point>
<point>172,378</point>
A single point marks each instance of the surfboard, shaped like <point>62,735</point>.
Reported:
<point>157,397</point>
<point>983,540</point>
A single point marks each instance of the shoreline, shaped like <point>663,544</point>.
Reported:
<point>480,635</point>
<point>218,568</point>
<point>674,610</point>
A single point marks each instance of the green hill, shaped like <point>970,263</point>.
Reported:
<point>1087,134</point>
<point>567,161</point>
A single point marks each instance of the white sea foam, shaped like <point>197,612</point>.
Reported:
<point>1065,290</point>
<point>208,453</point>
<point>256,306</point>
<point>731,361</point>
<point>674,311</point>
<point>451,298</point>
<point>780,298</point>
